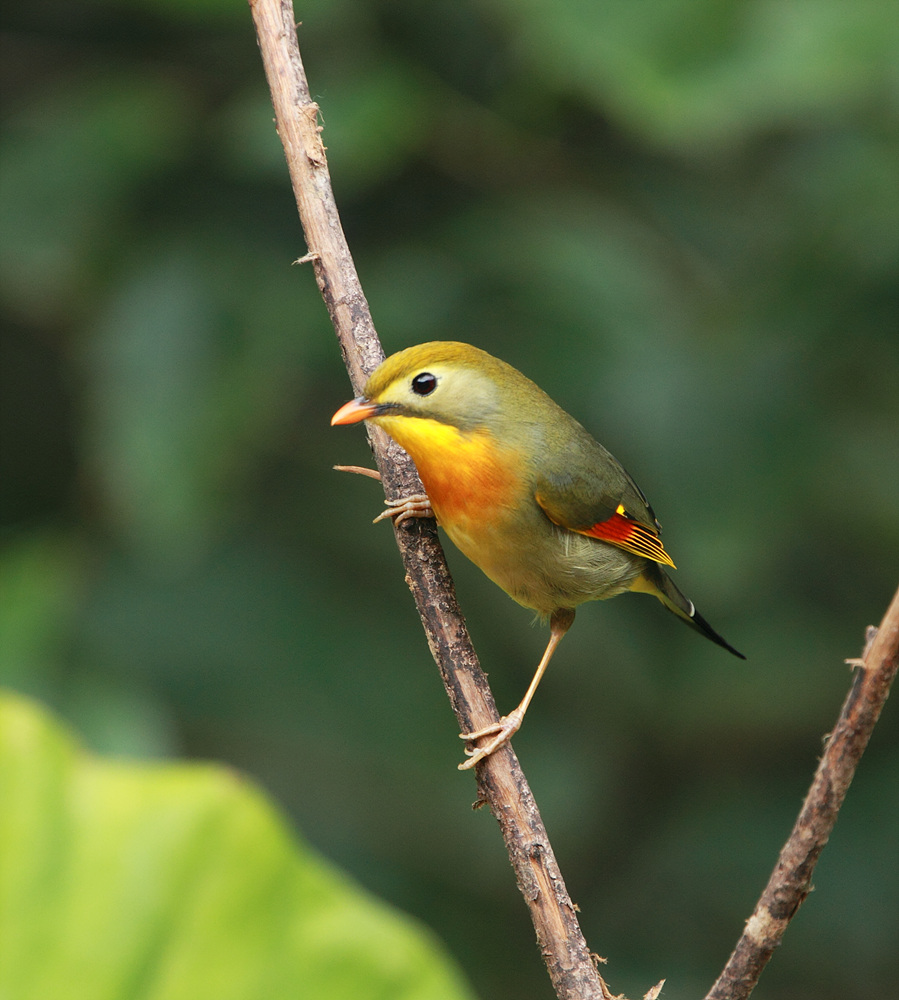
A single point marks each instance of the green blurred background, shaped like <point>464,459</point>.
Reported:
<point>680,217</point>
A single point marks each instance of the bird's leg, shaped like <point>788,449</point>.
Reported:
<point>508,725</point>
<point>417,505</point>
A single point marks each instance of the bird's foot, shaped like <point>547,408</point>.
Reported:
<point>359,470</point>
<point>415,506</point>
<point>501,732</point>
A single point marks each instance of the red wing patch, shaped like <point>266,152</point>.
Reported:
<point>630,535</point>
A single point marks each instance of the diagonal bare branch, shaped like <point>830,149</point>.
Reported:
<point>791,880</point>
<point>501,782</point>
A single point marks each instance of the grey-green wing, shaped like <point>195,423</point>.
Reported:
<point>581,484</point>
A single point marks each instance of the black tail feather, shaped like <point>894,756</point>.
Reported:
<point>701,625</point>
<point>657,582</point>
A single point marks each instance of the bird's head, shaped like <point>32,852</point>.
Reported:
<point>451,383</point>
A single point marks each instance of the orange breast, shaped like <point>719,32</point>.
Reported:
<point>471,481</point>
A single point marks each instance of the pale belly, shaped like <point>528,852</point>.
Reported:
<point>544,567</point>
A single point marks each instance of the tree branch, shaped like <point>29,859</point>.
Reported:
<point>501,782</point>
<point>791,880</point>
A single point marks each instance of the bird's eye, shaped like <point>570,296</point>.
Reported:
<point>424,384</point>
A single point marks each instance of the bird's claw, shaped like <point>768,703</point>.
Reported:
<point>359,470</point>
<point>418,505</point>
<point>415,506</point>
<point>501,732</point>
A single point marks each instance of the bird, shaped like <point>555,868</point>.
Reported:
<point>523,490</point>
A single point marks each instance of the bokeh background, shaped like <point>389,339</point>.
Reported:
<point>679,217</point>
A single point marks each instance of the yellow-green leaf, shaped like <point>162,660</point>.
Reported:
<point>122,880</point>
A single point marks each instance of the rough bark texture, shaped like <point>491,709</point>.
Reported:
<point>791,880</point>
<point>501,783</point>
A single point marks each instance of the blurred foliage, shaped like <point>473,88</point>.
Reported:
<point>171,881</point>
<point>681,218</point>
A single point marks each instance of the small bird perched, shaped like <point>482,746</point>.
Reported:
<point>522,489</point>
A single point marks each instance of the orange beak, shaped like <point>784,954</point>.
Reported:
<point>354,411</point>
